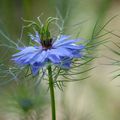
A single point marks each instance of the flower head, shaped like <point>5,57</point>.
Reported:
<point>59,52</point>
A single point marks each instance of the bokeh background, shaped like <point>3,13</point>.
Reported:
<point>95,98</point>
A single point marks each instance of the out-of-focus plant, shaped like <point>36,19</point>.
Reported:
<point>23,101</point>
<point>116,51</point>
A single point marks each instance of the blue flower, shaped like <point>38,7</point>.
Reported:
<point>59,52</point>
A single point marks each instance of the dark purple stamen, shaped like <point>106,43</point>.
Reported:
<point>46,44</point>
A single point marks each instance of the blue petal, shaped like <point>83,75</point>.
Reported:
<point>74,47</point>
<point>63,43</point>
<point>24,59</point>
<point>40,58</point>
<point>20,60</point>
<point>62,38</point>
<point>36,67</point>
<point>31,57</point>
<point>26,50</point>
<point>62,52</point>
<point>54,59</point>
<point>66,63</point>
<point>77,55</point>
<point>35,38</point>
<point>31,36</point>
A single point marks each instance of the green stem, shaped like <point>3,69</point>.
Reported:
<point>52,92</point>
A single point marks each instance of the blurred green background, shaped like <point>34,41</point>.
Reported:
<point>96,98</point>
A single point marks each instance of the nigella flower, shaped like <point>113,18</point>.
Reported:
<point>59,52</point>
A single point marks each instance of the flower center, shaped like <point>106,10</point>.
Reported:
<point>46,44</point>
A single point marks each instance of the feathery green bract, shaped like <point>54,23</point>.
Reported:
<point>116,60</point>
